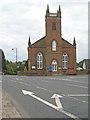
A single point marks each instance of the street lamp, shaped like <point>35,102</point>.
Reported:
<point>16,59</point>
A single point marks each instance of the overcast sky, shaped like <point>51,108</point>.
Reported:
<point>20,19</point>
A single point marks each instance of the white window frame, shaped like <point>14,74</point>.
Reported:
<point>54,45</point>
<point>54,65</point>
<point>39,61</point>
<point>65,61</point>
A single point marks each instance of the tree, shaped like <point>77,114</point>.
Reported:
<point>11,70</point>
<point>25,69</point>
<point>80,64</point>
<point>26,64</point>
<point>2,60</point>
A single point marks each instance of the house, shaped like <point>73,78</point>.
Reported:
<point>52,53</point>
<point>86,64</point>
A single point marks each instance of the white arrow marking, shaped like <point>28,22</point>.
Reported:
<point>49,104</point>
<point>57,100</point>
<point>32,94</point>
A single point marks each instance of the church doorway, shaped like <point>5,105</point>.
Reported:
<point>54,65</point>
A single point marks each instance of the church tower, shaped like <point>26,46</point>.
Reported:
<point>53,22</point>
<point>53,37</point>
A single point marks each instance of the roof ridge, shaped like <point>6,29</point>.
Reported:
<point>67,41</point>
<point>38,40</point>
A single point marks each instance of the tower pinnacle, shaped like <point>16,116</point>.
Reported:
<point>74,42</point>
<point>47,8</point>
<point>59,12</point>
<point>59,9</point>
<point>47,11</point>
<point>29,42</point>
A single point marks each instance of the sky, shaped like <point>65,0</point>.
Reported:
<point>20,19</point>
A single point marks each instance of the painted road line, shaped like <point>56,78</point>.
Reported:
<point>57,100</point>
<point>63,79</point>
<point>46,81</point>
<point>44,89</point>
<point>74,81</point>
<point>49,104</point>
<point>79,95</point>
<point>24,83</point>
<point>76,86</point>
<point>12,80</point>
<point>73,97</point>
<point>80,100</point>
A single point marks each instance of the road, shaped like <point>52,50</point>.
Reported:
<point>50,96</point>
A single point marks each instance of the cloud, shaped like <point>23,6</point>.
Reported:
<point>20,19</point>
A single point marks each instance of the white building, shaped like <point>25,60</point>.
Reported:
<point>86,64</point>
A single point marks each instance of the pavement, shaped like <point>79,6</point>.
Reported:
<point>7,108</point>
<point>48,97</point>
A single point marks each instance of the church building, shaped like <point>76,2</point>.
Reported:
<point>52,54</point>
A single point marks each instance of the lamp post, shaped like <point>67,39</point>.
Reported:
<point>16,59</point>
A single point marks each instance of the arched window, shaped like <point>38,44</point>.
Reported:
<point>39,61</point>
<point>54,65</point>
<point>53,26</point>
<point>65,61</point>
<point>54,46</point>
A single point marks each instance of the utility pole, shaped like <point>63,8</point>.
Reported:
<point>16,59</point>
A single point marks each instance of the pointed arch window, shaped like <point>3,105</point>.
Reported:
<point>65,61</point>
<point>39,61</point>
<point>54,26</point>
<point>54,45</point>
<point>54,65</point>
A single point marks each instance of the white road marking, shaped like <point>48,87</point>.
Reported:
<point>12,80</point>
<point>21,82</point>
<point>24,83</point>
<point>80,100</point>
<point>75,98</point>
<point>27,84</point>
<point>71,77</point>
<point>79,95</point>
<point>57,100</point>
<point>46,81</point>
<point>49,104</point>
<point>77,86</point>
<point>63,79</point>
<point>44,89</point>
<point>67,79</point>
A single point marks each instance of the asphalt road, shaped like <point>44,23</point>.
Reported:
<point>72,90</point>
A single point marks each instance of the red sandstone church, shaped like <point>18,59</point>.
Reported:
<point>52,53</point>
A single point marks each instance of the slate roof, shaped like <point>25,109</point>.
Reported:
<point>66,43</point>
<point>42,43</point>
